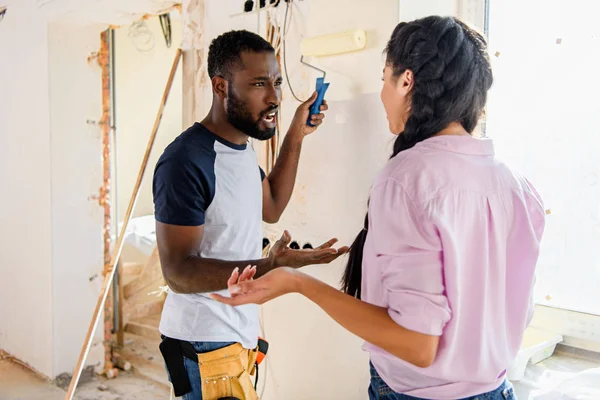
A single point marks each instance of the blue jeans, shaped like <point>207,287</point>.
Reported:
<point>379,390</point>
<point>193,370</point>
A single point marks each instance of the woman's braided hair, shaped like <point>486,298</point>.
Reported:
<point>452,76</point>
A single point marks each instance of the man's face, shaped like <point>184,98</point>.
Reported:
<point>254,94</point>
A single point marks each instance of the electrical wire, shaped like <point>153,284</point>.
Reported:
<point>285,68</point>
<point>266,360</point>
<point>141,36</point>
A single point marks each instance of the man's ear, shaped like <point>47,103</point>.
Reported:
<point>219,86</point>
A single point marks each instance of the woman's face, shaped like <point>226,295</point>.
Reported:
<point>395,98</point>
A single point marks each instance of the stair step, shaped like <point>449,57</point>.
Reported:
<point>132,269</point>
<point>140,287</point>
<point>144,355</point>
<point>144,307</point>
<point>142,329</point>
<point>155,375</point>
<point>151,320</point>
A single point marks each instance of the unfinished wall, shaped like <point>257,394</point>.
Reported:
<point>25,215</point>
<point>143,63</point>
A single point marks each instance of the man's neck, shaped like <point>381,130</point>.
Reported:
<point>217,123</point>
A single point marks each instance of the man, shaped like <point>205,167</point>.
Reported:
<point>209,208</point>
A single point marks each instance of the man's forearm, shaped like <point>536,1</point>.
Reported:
<point>202,275</point>
<point>283,176</point>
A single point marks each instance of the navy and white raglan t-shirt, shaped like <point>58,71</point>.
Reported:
<point>202,179</point>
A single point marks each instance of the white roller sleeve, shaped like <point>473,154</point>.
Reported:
<point>335,43</point>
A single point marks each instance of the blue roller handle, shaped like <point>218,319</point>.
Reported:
<point>314,108</point>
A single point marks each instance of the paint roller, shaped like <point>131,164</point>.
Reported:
<point>328,45</point>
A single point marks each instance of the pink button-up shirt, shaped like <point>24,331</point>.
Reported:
<point>451,250</point>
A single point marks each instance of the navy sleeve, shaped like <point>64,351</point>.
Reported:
<point>182,191</point>
<point>262,174</point>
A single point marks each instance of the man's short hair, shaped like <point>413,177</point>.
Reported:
<point>225,51</point>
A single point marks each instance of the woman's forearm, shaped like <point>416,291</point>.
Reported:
<point>371,323</point>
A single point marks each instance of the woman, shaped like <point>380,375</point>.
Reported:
<point>439,281</point>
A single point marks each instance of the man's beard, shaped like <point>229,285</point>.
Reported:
<point>240,117</point>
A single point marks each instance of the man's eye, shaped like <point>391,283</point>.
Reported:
<point>259,84</point>
<point>278,83</point>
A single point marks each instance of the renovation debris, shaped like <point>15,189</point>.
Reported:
<point>558,41</point>
<point>497,54</point>
<point>121,363</point>
<point>102,388</point>
<point>63,380</point>
<point>112,373</point>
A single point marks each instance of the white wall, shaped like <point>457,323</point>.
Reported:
<point>75,89</point>
<point>25,214</point>
<point>414,9</point>
<point>141,76</point>
<point>51,232</point>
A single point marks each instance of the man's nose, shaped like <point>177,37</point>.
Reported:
<point>273,95</point>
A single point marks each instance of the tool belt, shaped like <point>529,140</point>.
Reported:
<point>224,373</point>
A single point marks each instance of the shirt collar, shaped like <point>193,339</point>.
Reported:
<point>461,144</point>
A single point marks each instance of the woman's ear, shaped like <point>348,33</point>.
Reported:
<point>219,86</point>
<point>405,83</point>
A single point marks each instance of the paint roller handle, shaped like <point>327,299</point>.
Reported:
<point>315,108</point>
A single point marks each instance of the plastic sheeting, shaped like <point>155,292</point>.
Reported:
<point>564,376</point>
<point>141,233</point>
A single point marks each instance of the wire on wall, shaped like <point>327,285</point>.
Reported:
<point>141,36</point>
<point>285,29</point>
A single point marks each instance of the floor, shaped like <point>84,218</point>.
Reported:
<point>18,383</point>
<point>567,375</point>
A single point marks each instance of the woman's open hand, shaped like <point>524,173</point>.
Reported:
<point>246,290</point>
